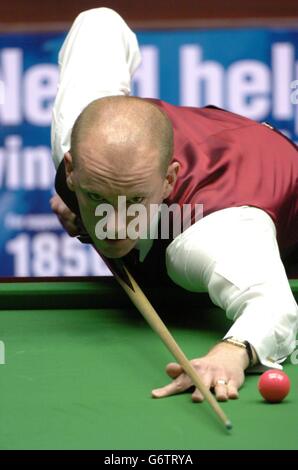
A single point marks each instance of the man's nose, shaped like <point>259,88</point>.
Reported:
<point>117,224</point>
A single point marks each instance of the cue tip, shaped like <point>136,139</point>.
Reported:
<point>229,425</point>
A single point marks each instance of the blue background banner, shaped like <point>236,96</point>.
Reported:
<point>252,72</point>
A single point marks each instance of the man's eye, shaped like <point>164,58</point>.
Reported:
<point>95,197</point>
<point>136,200</point>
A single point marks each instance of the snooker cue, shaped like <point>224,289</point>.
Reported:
<point>139,299</point>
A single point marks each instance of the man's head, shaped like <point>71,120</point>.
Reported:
<point>120,146</point>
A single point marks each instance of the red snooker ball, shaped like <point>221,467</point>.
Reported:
<point>274,385</point>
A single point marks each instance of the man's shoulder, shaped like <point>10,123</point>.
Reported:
<point>208,113</point>
<point>200,124</point>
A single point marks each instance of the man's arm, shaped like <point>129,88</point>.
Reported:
<point>97,59</point>
<point>234,254</point>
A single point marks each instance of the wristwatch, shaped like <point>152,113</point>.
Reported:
<point>242,344</point>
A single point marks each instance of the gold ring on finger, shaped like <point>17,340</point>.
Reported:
<point>221,382</point>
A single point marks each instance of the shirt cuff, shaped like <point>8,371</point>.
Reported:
<point>262,343</point>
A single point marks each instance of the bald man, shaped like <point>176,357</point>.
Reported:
<point>107,145</point>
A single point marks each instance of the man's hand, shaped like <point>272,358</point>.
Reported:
<point>65,216</point>
<point>224,362</point>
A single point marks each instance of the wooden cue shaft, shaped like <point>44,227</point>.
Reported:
<point>146,309</point>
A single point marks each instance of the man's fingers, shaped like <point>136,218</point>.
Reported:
<point>232,390</point>
<point>53,199</point>
<point>224,392</point>
<point>180,384</point>
<point>224,383</point>
<point>66,217</point>
<point>70,227</point>
<point>60,208</point>
<point>173,370</point>
<point>221,389</point>
<point>54,204</point>
<point>67,213</point>
<point>197,395</point>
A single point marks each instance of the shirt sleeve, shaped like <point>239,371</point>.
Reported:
<point>233,253</point>
<point>97,59</point>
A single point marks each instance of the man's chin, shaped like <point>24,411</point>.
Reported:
<point>116,248</point>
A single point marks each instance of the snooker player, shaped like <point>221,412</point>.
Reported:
<point>108,144</point>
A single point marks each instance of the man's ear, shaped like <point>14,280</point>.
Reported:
<point>171,178</point>
<point>69,170</point>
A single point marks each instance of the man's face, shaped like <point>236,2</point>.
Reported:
<point>100,178</point>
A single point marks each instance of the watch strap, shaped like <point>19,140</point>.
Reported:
<point>242,344</point>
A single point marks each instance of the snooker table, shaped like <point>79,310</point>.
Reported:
<point>80,363</point>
